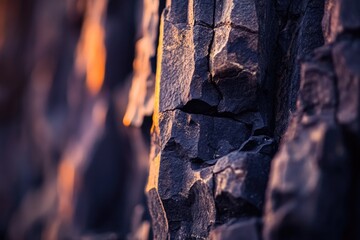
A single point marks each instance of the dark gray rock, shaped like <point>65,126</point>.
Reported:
<point>200,137</point>
<point>299,33</point>
<point>202,209</point>
<point>349,17</point>
<point>318,90</point>
<point>235,78</point>
<point>204,12</point>
<point>259,144</point>
<point>315,160</point>
<point>239,14</point>
<point>177,12</point>
<point>306,173</point>
<point>233,63</point>
<point>185,63</point>
<point>158,215</point>
<point>346,55</point>
<point>241,177</point>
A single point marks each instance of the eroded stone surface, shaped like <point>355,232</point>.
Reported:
<point>310,185</point>
<point>302,181</point>
<point>185,63</point>
<point>240,183</point>
<point>207,92</point>
<point>200,137</point>
<point>158,215</point>
<point>235,76</point>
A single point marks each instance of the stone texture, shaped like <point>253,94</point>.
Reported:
<point>233,65</point>
<point>310,190</point>
<point>242,177</point>
<point>299,32</point>
<point>203,210</point>
<point>299,206</point>
<point>235,79</point>
<point>200,137</point>
<point>187,45</point>
<point>233,59</point>
<point>158,215</point>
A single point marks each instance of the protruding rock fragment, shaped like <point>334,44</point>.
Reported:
<point>306,171</point>
<point>241,178</point>
<point>158,215</point>
<point>312,163</point>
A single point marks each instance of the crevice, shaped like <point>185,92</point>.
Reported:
<point>197,164</point>
<point>211,73</point>
<point>235,26</point>
<point>233,72</point>
<point>211,111</point>
<point>283,49</point>
<point>203,24</point>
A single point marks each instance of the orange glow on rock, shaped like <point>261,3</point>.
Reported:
<point>91,50</point>
<point>158,75</point>
<point>66,181</point>
<point>126,120</point>
<point>141,95</point>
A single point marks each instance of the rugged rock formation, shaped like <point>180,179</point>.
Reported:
<point>255,128</point>
<point>314,179</point>
<point>234,79</point>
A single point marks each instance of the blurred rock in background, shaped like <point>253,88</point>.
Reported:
<point>69,167</point>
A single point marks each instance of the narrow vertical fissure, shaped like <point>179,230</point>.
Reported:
<point>210,51</point>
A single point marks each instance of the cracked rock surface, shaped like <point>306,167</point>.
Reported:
<point>256,122</point>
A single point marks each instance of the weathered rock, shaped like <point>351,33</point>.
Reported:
<point>202,209</point>
<point>240,180</point>
<point>188,75</point>
<point>204,12</point>
<point>233,77</point>
<point>299,33</point>
<point>314,98</point>
<point>233,66</point>
<point>315,160</point>
<point>302,181</point>
<point>186,143</point>
<point>233,60</point>
<point>207,107</point>
<point>200,137</point>
<point>259,144</point>
<point>158,215</point>
<point>239,14</point>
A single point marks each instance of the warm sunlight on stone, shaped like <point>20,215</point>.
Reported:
<point>91,51</point>
<point>141,95</point>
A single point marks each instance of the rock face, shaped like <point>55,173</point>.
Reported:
<point>234,79</point>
